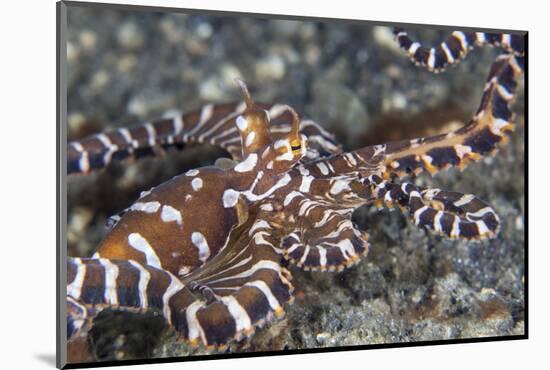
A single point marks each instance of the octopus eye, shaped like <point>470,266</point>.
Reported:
<point>296,145</point>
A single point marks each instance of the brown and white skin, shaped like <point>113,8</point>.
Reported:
<point>208,247</point>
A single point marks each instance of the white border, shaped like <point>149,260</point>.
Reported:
<point>28,182</point>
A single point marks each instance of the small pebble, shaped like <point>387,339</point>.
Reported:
<point>210,89</point>
<point>383,36</point>
<point>399,101</point>
<point>312,55</point>
<point>322,338</point>
<point>87,40</point>
<point>130,36</point>
<point>417,296</point>
<point>100,79</point>
<point>286,27</point>
<point>75,121</point>
<point>270,68</point>
<point>80,219</point>
<point>204,30</point>
<point>393,72</point>
<point>172,33</point>
<point>137,106</point>
<point>307,31</point>
<point>127,63</point>
<point>519,223</point>
<point>230,73</point>
<point>72,52</point>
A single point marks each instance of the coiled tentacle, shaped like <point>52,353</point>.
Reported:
<point>324,237</point>
<point>452,214</point>
<point>241,289</point>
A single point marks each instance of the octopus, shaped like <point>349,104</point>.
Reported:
<point>212,250</point>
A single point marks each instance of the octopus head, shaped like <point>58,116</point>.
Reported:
<point>274,152</point>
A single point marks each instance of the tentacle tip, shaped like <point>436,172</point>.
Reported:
<point>195,342</point>
<point>211,347</point>
<point>491,234</point>
<point>432,170</point>
<point>246,94</point>
<point>504,140</point>
<point>279,312</point>
<point>222,347</point>
<point>241,83</point>
<point>241,335</point>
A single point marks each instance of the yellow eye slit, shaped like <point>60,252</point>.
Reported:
<point>295,145</point>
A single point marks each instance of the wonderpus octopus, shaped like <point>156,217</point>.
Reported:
<point>210,248</point>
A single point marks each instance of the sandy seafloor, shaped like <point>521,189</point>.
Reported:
<point>130,67</point>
